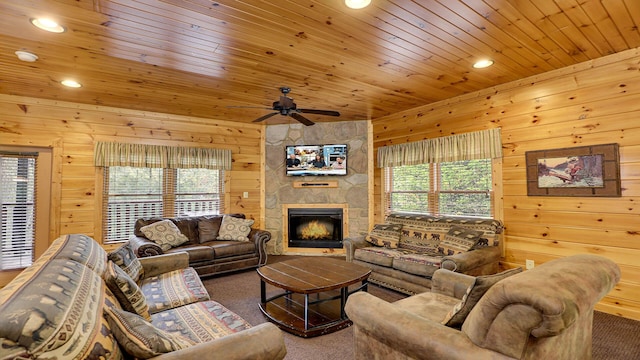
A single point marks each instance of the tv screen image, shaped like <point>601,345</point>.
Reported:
<point>316,160</point>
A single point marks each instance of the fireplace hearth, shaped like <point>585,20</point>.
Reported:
<point>315,227</point>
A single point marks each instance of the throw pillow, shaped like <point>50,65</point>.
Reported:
<point>387,235</point>
<point>459,313</point>
<point>234,228</point>
<point>141,339</point>
<point>164,233</point>
<point>127,260</point>
<point>126,290</point>
<point>458,239</point>
<point>209,227</point>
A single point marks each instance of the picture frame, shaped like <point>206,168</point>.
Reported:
<point>578,171</point>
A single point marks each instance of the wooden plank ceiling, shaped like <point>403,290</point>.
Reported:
<point>198,57</point>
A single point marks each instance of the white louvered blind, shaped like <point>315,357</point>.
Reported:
<point>460,188</point>
<point>131,193</point>
<point>18,204</point>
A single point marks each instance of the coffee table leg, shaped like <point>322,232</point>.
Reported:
<point>263,292</point>
<point>306,312</point>
<point>344,292</point>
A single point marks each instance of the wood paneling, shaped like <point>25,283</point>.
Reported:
<point>596,102</point>
<point>72,129</point>
<point>196,57</point>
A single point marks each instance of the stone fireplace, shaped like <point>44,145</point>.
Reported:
<point>314,228</point>
<point>352,189</point>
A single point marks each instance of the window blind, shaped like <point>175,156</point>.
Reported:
<point>17,200</point>
<point>460,188</point>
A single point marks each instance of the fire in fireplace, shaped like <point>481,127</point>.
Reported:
<point>315,228</point>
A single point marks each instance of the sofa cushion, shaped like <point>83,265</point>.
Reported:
<point>458,239</point>
<point>164,233</point>
<point>429,305</point>
<point>491,228</point>
<point>378,255</point>
<point>139,338</point>
<point>79,248</point>
<point>387,235</point>
<point>459,312</point>
<point>173,289</point>
<point>208,227</point>
<point>127,260</point>
<point>126,290</point>
<point>52,309</point>
<point>233,228</point>
<point>197,253</point>
<point>200,322</point>
<point>422,264</point>
<point>223,249</point>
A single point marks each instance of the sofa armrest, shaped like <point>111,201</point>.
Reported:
<point>261,342</point>
<point>383,328</point>
<point>351,244</point>
<point>447,282</point>
<point>260,239</point>
<point>143,247</point>
<point>474,262</point>
<point>160,264</point>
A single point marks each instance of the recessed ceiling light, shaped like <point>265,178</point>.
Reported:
<point>71,83</point>
<point>483,64</point>
<point>357,4</point>
<point>26,56</point>
<point>48,25</point>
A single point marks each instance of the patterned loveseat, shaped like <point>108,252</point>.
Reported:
<point>405,251</point>
<point>78,302</point>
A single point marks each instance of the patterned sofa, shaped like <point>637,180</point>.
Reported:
<point>78,302</point>
<point>207,255</point>
<point>405,251</point>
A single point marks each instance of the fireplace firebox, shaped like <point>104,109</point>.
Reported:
<point>315,227</point>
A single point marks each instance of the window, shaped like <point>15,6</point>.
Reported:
<point>131,193</point>
<point>460,188</point>
<point>18,201</point>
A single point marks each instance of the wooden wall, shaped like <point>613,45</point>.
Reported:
<point>597,102</point>
<point>72,129</point>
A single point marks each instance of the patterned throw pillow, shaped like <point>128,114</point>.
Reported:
<point>387,235</point>
<point>128,261</point>
<point>459,313</point>
<point>139,338</point>
<point>126,290</point>
<point>164,233</point>
<point>234,228</point>
<point>458,240</point>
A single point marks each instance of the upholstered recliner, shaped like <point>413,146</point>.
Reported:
<point>543,313</point>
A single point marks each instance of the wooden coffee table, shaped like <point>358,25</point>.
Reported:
<point>315,292</point>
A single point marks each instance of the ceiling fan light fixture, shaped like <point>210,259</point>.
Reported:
<point>357,4</point>
<point>47,24</point>
<point>481,64</point>
<point>71,83</point>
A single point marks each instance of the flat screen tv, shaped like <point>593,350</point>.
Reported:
<point>316,160</point>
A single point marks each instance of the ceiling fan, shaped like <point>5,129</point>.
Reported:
<point>286,107</point>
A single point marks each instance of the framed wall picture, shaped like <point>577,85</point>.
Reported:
<point>578,171</point>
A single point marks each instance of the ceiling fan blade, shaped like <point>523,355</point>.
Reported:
<point>265,117</point>
<point>247,107</point>
<point>301,118</point>
<point>319,112</point>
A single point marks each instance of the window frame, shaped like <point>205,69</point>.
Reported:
<point>434,191</point>
<point>169,198</point>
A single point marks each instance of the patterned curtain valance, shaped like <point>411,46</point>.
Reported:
<point>474,145</point>
<point>168,157</point>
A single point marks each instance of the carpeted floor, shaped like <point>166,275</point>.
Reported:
<point>615,338</point>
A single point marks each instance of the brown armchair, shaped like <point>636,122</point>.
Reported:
<point>207,256</point>
<point>543,313</point>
